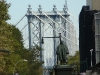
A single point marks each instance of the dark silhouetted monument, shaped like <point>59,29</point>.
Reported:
<point>62,68</point>
<point>62,52</point>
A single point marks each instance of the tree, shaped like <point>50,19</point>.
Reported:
<point>4,16</point>
<point>34,65</point>
<point>74,60</point>
<point>11,39</point>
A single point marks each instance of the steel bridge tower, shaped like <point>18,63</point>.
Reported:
<point>50,24</point>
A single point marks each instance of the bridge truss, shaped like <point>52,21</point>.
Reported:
<point>50,24</point>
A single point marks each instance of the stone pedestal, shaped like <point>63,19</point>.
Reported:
<point>63,70</point>
<point>88,72</point>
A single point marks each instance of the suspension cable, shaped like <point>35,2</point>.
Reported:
<point>46,28</point>
<point>72,16</point>
<point>25,39</point>
<point>24,27</point>
<point>57,24</point>
<point>53,29</point>
<point>66,20</point>
<point>20,20</point>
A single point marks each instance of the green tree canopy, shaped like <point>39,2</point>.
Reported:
<point>4,16</point>
<point>35,66</point>
<point>11,39</point>
<point>74,60</point>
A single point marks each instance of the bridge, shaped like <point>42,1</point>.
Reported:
<point>43,29</point>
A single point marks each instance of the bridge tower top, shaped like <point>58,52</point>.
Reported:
<point>66,5</point>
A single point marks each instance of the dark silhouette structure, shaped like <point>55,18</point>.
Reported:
<point>86,38</point>
<point>62,52</point>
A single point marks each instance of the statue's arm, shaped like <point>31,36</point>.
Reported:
<point>67,51</point>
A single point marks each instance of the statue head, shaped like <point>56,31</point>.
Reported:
<point>61,42</point>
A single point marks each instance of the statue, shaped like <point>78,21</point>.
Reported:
<point>62,52</point>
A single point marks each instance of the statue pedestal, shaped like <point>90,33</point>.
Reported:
<point>63,70</point>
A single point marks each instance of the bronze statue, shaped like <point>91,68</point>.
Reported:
<point>62,52</point>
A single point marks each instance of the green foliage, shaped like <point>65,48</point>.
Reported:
<point>74,60</point>
<point>4,16</point>
<point>11,39</point>
<point>12,42</point>
<point>35,66</point>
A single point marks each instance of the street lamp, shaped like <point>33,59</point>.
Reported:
<point>91,56</point>
<point>17,63</point>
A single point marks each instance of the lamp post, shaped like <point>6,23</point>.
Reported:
<point>91,56</point>
<point>42,41</point>
<point>17,63</point>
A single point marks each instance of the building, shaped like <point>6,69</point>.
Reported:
<point>89,21</point>
<point>89,33</point>
<point>94,4</point>
<point>86,38</point>
<point>97,36</point>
